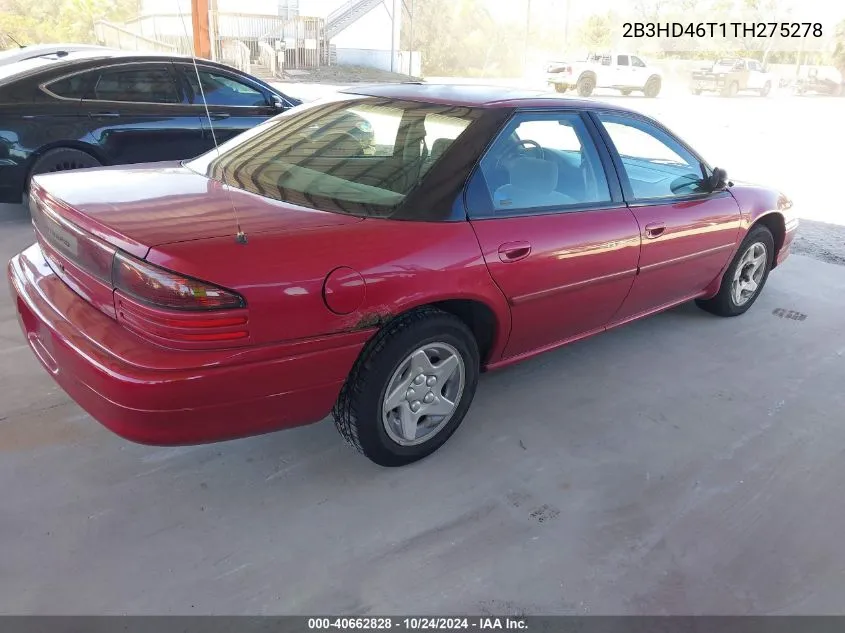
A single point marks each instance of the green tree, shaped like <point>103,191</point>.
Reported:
<point>839,50</point>
<point>46,21</point>
<point>596,33</point>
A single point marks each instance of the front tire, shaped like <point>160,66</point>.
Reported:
<point>561,88</point>
<point>410,389</point>
<point>744,279</point>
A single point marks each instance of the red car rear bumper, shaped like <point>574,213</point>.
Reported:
<point>152,395</point>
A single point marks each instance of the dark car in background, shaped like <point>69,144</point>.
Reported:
<point>103,107</point>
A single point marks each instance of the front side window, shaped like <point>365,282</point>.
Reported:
<point>539,162</point>
<point>657,166</point>
<point>222,90</point>
<point>636,61</point>
<point>136,85</point>
<point>361,156</point>
<point>623,60</point>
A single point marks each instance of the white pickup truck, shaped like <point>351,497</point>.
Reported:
<point>622,72</point>
<point>732,75</point>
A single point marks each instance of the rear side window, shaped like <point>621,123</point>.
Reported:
<point>361,156</point>
<point>222,90</point>
<point>623,60</point>
<point>70,87</point>
<point>136,85</point>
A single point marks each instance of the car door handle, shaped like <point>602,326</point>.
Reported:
<point>654,230</point>
<point>106,115</point>
<point>514,251</point>
<point>216,116</point>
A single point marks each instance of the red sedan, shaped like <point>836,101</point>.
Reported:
<point>297,271</point>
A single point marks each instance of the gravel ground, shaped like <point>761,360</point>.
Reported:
<point>822,241</point>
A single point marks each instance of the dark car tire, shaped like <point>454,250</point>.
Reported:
<point>725,304</point>
<point>767,88</point>
<point>652,87</point>
<point>561,88</point>
<point>59,159</point>
<point>626,91</point>
<point>358,413</point>
<point>585,86</point>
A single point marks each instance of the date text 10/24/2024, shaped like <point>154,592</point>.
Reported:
<point>723,29</point>
<point>417,624</point>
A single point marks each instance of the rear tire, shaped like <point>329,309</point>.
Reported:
<point>585,86</point>
<point>626,92</point>
<point>561,88</point>
<point>767,88</point>
<point>652,87</point>
<point>733,299</point>
<point>59,159</point>
<point>388,365</point>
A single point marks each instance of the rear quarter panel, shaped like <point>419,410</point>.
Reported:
<point>403,264</point>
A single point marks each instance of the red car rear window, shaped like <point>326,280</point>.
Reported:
<point>360,156</point>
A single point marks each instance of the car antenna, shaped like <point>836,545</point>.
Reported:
<point>19,45</point>
<point>240,236</point>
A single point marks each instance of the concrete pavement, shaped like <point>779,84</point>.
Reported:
<point>682,464</point>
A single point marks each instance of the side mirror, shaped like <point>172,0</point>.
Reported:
<point>278,104</point>
<point>718,179</point>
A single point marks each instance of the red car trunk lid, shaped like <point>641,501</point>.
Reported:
<point>137,207</point>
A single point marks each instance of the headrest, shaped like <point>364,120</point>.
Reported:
<point>534,174</point>
<point>439,146</point>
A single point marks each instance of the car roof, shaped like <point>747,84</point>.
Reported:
<point>473,95</point>
<point>83,59</point>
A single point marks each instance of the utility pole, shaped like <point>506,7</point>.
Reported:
<point>393,37</point>
<point>199,21</point>
<point>566,27</point>
<point>411,42</point>
<point>527,32</point>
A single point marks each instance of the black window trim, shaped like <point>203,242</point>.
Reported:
<point>185,67</point>
<point>616,197</point>
<point>44,86</point>
<point>628,192</point>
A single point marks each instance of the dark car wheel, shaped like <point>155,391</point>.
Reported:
<point>561,88</point>
<point>745,277</point>
<point>410,389</point>
<point>767,88</point>
<point>652,87</point>
<point>586,85</point>
<point>59,159</point>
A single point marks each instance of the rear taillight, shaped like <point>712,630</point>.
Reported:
<point>175,310</point>
<point>160,305</point>
<point>164,289</point>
